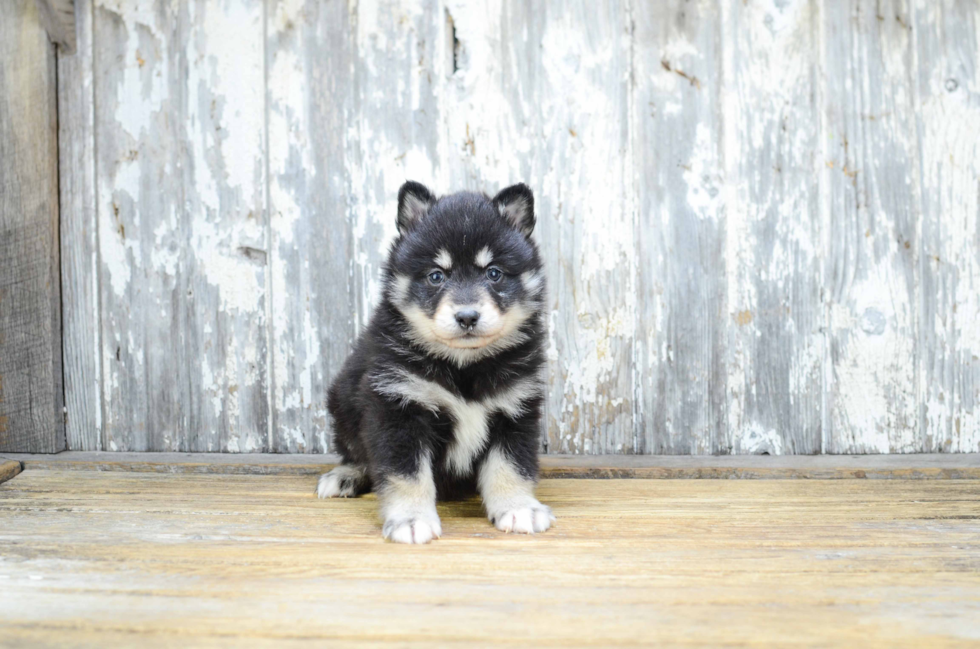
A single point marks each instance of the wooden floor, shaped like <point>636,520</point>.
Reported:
<point>93,558</point>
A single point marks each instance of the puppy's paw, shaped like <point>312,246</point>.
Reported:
<point>341,482</point>
<point>418,529</point>
<point>524,520</point>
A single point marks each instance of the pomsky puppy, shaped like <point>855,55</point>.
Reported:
<point>442,394</point>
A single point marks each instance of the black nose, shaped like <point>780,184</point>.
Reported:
<point>467,318</point>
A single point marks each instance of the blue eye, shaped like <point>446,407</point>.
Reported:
<point>436,277</point>
<point>494,274</point>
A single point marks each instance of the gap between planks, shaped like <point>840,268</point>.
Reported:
<point>822,467</point>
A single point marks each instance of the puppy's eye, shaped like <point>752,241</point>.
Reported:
<point>494,274</point>
<point>436,277</point>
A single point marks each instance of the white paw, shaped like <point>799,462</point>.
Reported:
<point>524,520</point>
<point>340,482</point>
<point>420,529</point>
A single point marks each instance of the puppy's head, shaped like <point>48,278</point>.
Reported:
<point>464,271</point>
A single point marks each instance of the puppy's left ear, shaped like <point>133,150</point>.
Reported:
<point>516,205</point>
<point>414,201</point>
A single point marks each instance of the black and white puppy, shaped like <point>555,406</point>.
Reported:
<point>442,394</point>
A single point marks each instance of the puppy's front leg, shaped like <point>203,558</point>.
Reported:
<point>408,504</point>
<point>508,496</point>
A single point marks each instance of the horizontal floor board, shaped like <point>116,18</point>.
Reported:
<point>911,466</point>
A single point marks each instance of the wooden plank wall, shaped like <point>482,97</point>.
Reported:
<point>761,218</point>
<point>31,396</point>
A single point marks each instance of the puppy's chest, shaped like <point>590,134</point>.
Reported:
<point>469,420</point>
<point>464,411</point>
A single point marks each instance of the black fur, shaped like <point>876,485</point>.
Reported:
<point>388,435</point>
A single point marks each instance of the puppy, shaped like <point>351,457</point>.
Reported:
<point>441,396</point>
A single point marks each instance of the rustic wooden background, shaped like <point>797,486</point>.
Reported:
<point>30,303</point>
<point>761,218</point>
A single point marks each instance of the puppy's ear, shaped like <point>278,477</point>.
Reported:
<point>516,205</point>
<point>414,201</point>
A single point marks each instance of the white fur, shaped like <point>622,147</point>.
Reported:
<point>533,282</point>
<point>488,326</point>
<point>329,485</point>
<point>509,497</point>
<point>408,506</point>
<point>413,209</point>
<point>471,417</point>
<point>484,258</point>
<point>514,212</point>
<point>399,288</point>
<point>443,259</point>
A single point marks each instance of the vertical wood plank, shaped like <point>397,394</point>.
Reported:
<point>541,95</point>
<point>309,98</point>
<point>683,316</point>
<point>79,241</point>
<point>133,183</point>
<point>353,114</point>
<point>398,69</point>
<point>582,95</point>
<point>31,394</point>
<point>493,60</point>
<point>947,36</point>
<point>225,229</point>
<point>182,233</point>
<point>775,315</point>
<point>870,238</point>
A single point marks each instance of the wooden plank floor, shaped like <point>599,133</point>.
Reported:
<point>92,558</point>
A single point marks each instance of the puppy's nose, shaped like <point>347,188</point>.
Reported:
<point>467,318</point>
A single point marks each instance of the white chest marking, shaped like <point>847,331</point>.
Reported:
<point>471,417</point>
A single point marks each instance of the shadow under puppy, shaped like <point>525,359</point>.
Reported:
<point>442,393</point>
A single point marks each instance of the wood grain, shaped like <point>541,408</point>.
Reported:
<point>760,219</point>
<point>31,394</point>
<point>539,94</point>
<point>79,240</point>
<point>586,223</point>
<point>947,111</point>
<point>871,189</point>
<point>309,94</point>
<point>225,266</point>
<point>230,560</point>
<point>682,314</point>
<point>775,316</point>
<point>58,19</point>
<point>9,469</point>
<point>181,230</point>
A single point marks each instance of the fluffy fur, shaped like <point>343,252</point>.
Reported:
<point>442,393</point>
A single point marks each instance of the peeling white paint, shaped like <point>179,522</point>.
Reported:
<point>773,266</point>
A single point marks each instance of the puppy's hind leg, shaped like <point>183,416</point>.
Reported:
<point>343,481</point>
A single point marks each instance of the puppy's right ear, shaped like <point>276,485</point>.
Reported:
<point>516,205</point>
<point>414,201</point>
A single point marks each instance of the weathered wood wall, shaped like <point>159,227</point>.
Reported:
<point>761,218</point>
<point>31,411</point>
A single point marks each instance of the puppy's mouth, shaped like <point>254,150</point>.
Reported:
<point>468,340</point>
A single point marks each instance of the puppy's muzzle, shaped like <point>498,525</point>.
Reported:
<point>467,318</point>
